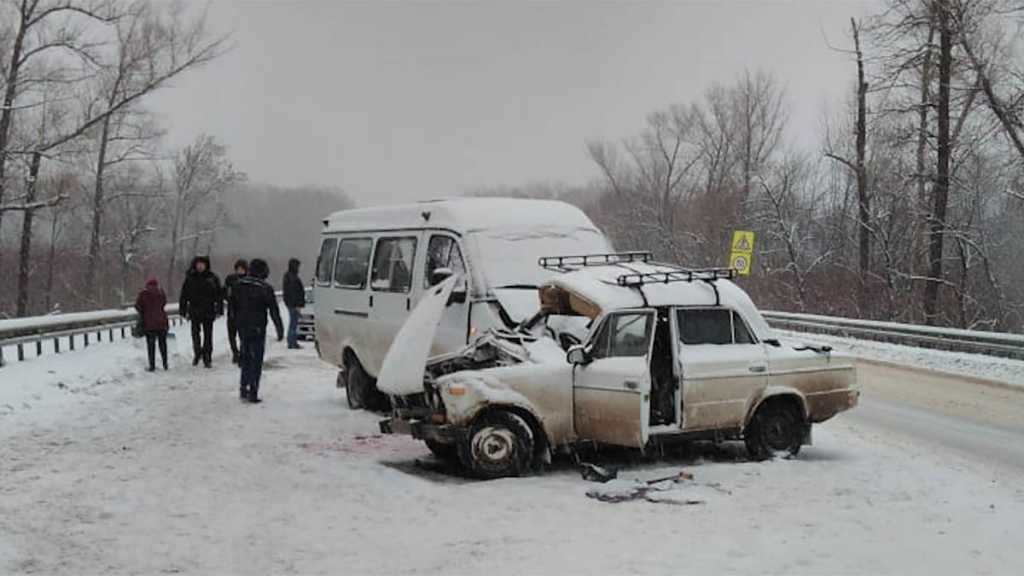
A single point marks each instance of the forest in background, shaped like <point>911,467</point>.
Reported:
<point>91,202</point>
<point>908,207</point>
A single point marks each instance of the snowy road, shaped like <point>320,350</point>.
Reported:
<point>107,469</point>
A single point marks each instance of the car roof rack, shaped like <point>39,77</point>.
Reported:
<point>570,263</point>
<point>677,275</point>
<point>638,280</point>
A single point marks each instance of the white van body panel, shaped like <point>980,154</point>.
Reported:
<point>500,240</point>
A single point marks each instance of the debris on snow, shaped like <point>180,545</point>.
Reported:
<point>679,489</point>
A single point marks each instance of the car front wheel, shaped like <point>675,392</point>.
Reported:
<point>443,451</point>
<point>499,445</point>
<point>777,429</point>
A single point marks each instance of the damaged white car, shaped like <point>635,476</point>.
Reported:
<point>624,351</point>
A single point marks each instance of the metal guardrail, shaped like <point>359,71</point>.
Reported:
<point>953,339</point>
<point>117,323</point>
<point>70,328</point>
<point>20,333</point>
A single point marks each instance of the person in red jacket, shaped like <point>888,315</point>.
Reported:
<point>150,305</point>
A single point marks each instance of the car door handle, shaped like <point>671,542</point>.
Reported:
<point>756,368</point>
<point>631,385</point>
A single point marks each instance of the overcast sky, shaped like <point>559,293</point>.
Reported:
<point>397,101</point>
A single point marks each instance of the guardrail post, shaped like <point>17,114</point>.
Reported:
<point>122,332</point>
<point>110,335</point>
<point>39,348</point>
<point>56,345</point>
<point>71,341</point>
<point>1,356</point>
<point>21,353</point>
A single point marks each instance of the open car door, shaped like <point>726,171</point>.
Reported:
<point>612,391</point>
<point>406,360</point>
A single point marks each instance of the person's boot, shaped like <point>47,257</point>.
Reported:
<point>151,368</point>
<point>195,360</point>
<point>234,357</point>
<point>243,393</point>
<point>207,361</point>
<point>254,396</point>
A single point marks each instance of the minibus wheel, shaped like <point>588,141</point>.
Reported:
<point>357,384</point>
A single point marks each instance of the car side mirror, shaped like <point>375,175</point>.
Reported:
<point>577,355</point>
<point>440,275</point>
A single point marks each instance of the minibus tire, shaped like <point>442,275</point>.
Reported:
<point>357,384</point>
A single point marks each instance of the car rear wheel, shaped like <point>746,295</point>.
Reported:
<point>499,444</point>
<point>777,429</point>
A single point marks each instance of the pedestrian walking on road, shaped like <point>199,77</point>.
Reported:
<point>241,269</point>
<point>201,302</point>
<point>253,298</point>
<point>294,299</point>
<point>150,305</point>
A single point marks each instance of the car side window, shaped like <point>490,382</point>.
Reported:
<point>443,252</point>
<point>325,260</point>
<point>392,264</point>
<point>712,326</point>
<point>740,330</point>
<point>353,262</point>
<point>624,334</point>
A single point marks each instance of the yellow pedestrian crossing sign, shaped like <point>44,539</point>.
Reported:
<point>742,254</point>
<point>743,241</point>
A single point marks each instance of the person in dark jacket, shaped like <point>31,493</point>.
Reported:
<point>294,299</point>
<point>150,305</point>
<point>241,269</point>
<point>201,302</point>
<point>253,298</point>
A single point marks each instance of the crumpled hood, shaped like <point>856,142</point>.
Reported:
<point>402,371</point>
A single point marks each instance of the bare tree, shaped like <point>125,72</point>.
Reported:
<point>40,28</point>
<point>859,168</point>
<point>201,171</point>
<point>152,46</point>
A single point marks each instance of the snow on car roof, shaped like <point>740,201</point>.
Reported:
<point>462,215</point>
<point>599,286</point>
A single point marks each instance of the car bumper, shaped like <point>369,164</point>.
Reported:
<point>825,405</point>
<point>442,433</point>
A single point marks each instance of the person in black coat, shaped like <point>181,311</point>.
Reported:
<point>201,302</point>
<point>241,269</point>
<point>294,299</point>
<point>253,299</point>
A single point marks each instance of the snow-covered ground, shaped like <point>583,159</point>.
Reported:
<point>1007,370</point>
<point>107,469</point>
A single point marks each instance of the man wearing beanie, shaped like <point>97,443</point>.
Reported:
<point>252,298</point>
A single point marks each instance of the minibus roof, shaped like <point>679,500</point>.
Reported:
<point>460,215</point>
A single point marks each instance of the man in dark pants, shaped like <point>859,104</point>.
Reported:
<point>241,269</point>
<point>252,298</point>
<point>294,299</point>
<point>201,302</point>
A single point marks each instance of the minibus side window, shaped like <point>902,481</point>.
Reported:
<point>324,261</point>
<point>392,264</point>
<point>353,263</point>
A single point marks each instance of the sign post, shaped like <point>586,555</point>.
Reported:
<point>742,254</point>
